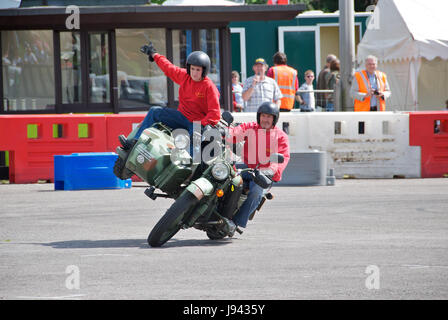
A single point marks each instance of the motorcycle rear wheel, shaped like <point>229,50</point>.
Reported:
<point>172,220</point>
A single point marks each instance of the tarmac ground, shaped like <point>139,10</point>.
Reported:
<point>360,239</point>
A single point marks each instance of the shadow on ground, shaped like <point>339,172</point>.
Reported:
<point>133,243</point>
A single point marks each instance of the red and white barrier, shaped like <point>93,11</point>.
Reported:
<point>31,158</point>
<point>429,131</point>
<point>370,144</point>
<point>359,144</point>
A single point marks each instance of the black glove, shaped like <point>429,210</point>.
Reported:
<point>268,173</point>
<point>149,50</point>
<point>261,179</point>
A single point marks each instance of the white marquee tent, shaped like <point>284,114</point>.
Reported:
<point>410,39</point>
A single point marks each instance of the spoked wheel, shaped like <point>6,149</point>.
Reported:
<point>172,220</point>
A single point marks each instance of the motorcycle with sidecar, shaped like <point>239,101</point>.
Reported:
<point>207,193</point>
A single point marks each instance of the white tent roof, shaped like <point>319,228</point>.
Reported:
<point>406,29</point>
<point>7,4</point>
<point>200,3</point>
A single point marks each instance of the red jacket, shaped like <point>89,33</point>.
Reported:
<point>198,101</point>
<point>260,143</point>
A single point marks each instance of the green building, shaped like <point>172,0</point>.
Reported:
<point>306,40</point>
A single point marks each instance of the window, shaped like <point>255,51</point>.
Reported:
<point>71,67</point>
<point>28,70</point>
<point>209,43</point>
<point>186,41</point>
<point>99,88</point>
<point>182,47</point>
<point>140,82</point>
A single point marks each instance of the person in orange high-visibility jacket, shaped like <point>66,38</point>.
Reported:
<point>286,78</point>
<point>370,88</point>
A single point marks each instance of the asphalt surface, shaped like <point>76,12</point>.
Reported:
<point>359,239</point>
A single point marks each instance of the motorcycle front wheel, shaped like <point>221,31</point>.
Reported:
<point>172,220</point>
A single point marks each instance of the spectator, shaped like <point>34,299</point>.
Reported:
<point>321,83</point>
<point>332,79</point>
<point>29,57</point>
<point>446,104</point>
<point>259,88</point>
<point>306,99</point>
<point>286,78</point>
<point>370,88</point>
<point>237,92</point>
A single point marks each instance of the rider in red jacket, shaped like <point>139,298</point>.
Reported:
<point>198,95</point>
<point>260,143</point>
<point>262,138</point>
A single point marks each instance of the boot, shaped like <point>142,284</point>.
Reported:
<point>127,145</point>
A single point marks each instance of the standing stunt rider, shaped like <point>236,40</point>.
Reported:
<point>198,95</point>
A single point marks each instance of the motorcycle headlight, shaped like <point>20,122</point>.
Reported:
<point>220,171</point>
<point>181,141</point>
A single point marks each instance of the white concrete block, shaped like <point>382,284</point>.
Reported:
<point>358,144</point>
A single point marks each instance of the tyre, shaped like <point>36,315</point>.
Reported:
<point>120,170</point>
<point>215,234</point>
<point>172,220</point>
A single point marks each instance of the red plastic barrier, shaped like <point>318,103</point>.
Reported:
<point>429,130</point>
<point>31,159</point>
<point>120,124</point>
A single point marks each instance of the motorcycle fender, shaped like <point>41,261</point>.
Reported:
<point>200,188</point>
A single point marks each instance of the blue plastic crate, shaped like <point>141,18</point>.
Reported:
<point>87,171</point>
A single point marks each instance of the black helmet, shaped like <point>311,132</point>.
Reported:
<point>201,59</point>
<point>268,108</point>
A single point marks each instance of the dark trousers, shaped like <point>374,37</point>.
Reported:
<point>171,117</point>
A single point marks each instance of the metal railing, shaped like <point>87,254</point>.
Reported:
<point>324,100</point>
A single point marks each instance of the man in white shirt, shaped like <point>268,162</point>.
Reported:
<point>260,88</point>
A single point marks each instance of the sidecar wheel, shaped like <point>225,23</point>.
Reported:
<point>172,220</point>
<point>120,170</point>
